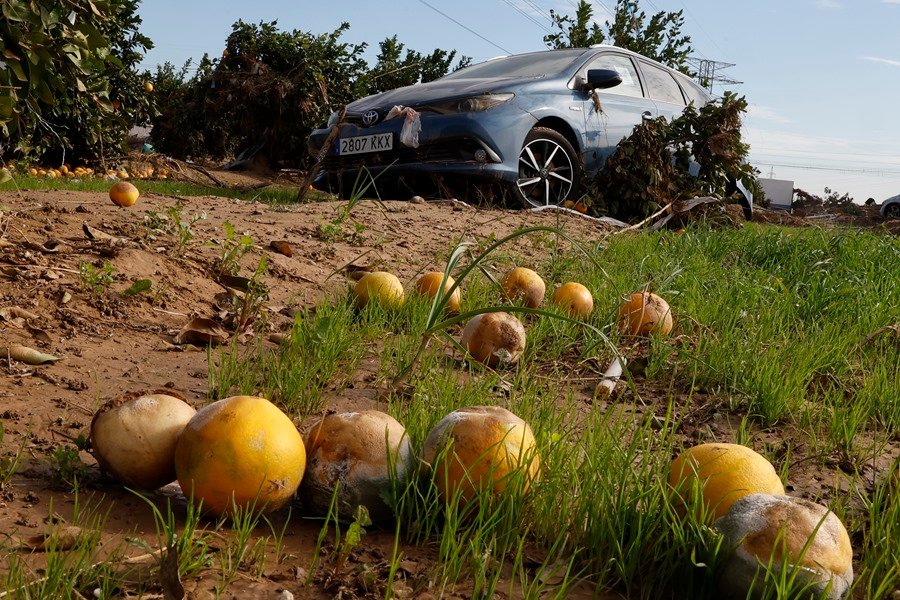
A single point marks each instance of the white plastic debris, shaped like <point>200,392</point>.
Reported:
<point>612,374</point>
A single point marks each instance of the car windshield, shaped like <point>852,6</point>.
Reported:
<point>536,64</point>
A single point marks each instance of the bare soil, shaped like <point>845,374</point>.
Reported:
<point>111,344</point>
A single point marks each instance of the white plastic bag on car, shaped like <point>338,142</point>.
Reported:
<point>412,126</point>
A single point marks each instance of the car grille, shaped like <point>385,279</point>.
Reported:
<point>442,151</point>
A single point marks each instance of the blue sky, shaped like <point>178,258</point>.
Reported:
<point>822,76</point>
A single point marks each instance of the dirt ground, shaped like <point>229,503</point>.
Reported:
<point>111,344</point>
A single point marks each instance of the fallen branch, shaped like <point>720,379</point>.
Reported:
<point>203,170</point>
<point>320,157</point>
<point>606,220</point>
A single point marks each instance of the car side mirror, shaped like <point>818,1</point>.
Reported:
<point>602,79</point>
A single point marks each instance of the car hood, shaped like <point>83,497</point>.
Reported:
<point>423,93</point>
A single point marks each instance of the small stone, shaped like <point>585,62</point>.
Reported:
<point>760,527</point>
<point>417,200</point>
<point>285,595</point>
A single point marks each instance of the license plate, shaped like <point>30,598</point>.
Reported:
<point>365,143</point>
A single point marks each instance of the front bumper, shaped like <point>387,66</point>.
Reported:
<point>448,145</point>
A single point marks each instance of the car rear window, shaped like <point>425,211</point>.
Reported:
<point>661,85</point>
<point>694,92</point>
<point>536,64</point>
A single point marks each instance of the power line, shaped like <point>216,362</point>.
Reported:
<point>469,29</point>
<point>877,172</point>
<point>699,26</point>
<point>525,14</point>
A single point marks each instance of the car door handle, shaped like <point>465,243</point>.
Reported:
<point>646,115</point>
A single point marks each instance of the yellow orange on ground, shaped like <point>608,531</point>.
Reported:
<point>723,473</point>
<point>359,454</point>
<point>243,450</point>
<point>134,437</point>
<point>123,193</point>
<point>481,449</point>
<point>574,298</point>
<point>645,313</point>
<point>380,286</point>
<point>525,286</point>
<point>494,338</point>
<point>429,284</point>
<point>785,532</point>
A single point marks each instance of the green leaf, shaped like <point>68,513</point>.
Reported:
<point>138,287</point>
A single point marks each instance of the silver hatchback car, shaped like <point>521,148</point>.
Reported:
<point>538,124</point>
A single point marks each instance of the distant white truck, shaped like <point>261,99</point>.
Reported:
<point>779,192</point>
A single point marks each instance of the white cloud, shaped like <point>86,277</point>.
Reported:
<point>766,113</point>
<point>890,1</point>
<point>828,4</point>
<point>884,61</point>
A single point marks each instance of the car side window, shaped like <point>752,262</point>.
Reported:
<point>694,93</point>
<point>631,84</point>
<point>661,85</point>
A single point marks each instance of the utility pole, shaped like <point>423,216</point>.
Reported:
<point>707,72</point>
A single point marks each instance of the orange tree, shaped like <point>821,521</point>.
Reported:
<point>68,85</point>
<point>271,88</point>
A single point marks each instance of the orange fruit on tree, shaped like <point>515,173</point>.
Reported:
<point>123,193</point>
<point>722,473</point>
<point>480,449</point>
<point>241,451</point>
<point>429,284</point>
<point>644,313</point>
<point>148,87</point>
<point>575,299</point>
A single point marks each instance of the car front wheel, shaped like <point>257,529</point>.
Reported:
<point>892,211</point>
<point>549,170</point>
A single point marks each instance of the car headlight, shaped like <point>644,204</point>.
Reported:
<point>332,119</point>
<point>467,105</point>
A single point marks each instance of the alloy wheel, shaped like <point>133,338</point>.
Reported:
<point>546,172</point>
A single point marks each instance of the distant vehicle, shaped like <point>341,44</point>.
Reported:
<point>890,208</point>
<point>538,124</point>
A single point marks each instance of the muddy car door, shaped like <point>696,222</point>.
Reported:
<point>663,90</point>
<point>611,114</point>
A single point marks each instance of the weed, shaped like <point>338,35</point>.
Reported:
<point>173,223</point>
<point>10,464</point>
<point>191,545</point>
<point>95,279</point>
<point>66,467</point>
<point>232,248</point>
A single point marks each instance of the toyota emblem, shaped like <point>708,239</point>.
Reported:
<point>370,117</point>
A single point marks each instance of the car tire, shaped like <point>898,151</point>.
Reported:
<point>892,211</point>
<point>549,169</point>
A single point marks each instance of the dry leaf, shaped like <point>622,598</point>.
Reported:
<point>96,234</point>
<point>10,312</point>
<point>58,538</point>
<point>234,282</point>
<point>168,576</point>
<point>203,332</point>
<point>282,247</point>
<point>553,574</point>
<point>29,356</point>
<point>356,272</point>
<point>278,338</point>
<point>40,335</point>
